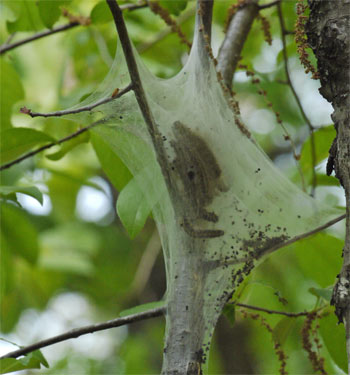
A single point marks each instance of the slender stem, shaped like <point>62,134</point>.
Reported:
<point>269,5</point>
<point>69,137</point>
<point>7,47</point>
<point>268,250</point>
<point>139,91</point>
<point>76,332</point>
<point>80,109</point>
<point>49,145</point>
<point>165,32</point>
<point>289,314</point>
<point>156,8</point>
<point>118,322</point>
<point>289,81</point>
<point>131,7</point>
<point>302,236</point>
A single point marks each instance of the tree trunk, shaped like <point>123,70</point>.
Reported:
<point>328,31</point>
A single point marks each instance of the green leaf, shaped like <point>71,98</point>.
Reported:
<point>112,165</point>
<point>68,146</point>
<point>323,139</point>
<point>174,7</point>
<point>324,180</point>
<point>133,208</point>
<point>30,361</point>
<point>16,141</point>
<point>325,293</point>
<point>101,13</point>
<point>333,335</point>
<point>40,356</point>
<point>142,308</point>
<point>18,234</point>
<point>282,329</point>
<point>133,205</point>
<point>229,311</point>
<point>50,11</point>
<point>27,16</point>
<point>32,191</point>
<point>8,365</point>
<point>12,91</point>
<point>319,258</point>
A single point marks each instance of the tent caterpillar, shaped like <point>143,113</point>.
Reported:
<point>200,174</point>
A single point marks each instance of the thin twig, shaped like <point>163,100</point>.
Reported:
<point>289,314</point>
<point>306,119</point>
<point>118,322</point>
<point>76,332</point>
<point>269,5</point>
<point>49,145</point>
<point>69,137</point>
<point>131,7</point>
<point>163,13</point>
<point>268,250</point>
<point>140,95</point>
<point>165,32</point>
<point>7,47</point>
<point>301,236</point>
<point>80,109</point>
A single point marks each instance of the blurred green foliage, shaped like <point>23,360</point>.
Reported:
<point>56,252</point>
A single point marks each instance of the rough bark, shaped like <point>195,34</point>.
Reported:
<point>328,32</point>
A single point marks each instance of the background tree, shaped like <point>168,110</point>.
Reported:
<point>67,250</point>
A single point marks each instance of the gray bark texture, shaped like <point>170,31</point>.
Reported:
<point>328,32</point>
<point>236,35</point>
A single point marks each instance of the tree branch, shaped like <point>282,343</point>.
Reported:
<point>165,32</point>
<point>328,34</point>
<point>7,47</point>
<point>139,92</point>
<point>76,332</point>
<point>206,8</point>
<point>237,32</point>
<point>301,236</point>
<point>289,314</point>
<point>118,322</point>
<point>90,107</point>
<point>49,145</point>
<point>130,7</point>
<point>289,82</point>
<point>163,13</point>
<point>69,137</point>
<point>269,5</point>
<point>268,250</point>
